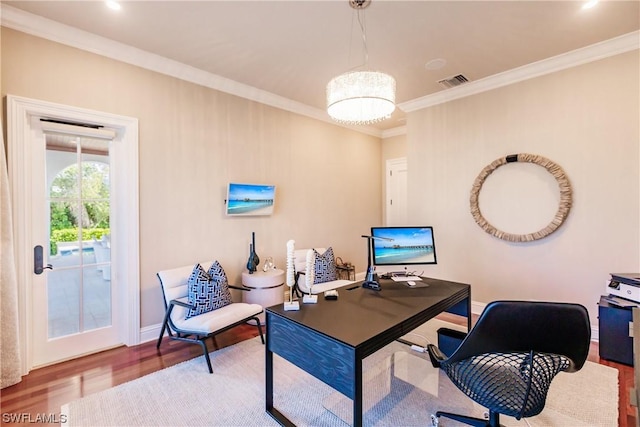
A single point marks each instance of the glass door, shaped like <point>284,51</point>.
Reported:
<point>78,298</point>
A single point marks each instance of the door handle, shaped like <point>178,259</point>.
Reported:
<point>38,259</point>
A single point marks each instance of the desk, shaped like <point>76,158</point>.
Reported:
<point>329,339</point>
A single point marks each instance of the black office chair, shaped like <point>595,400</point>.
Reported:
<point>507,361</point>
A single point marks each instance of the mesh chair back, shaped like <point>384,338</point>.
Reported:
<point>523,326</point>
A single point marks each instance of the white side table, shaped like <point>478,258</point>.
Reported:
<point>266,288</point>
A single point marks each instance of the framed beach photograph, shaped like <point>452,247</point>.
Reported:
<point>250,199</point>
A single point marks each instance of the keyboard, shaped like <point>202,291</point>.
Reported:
<point>405,278</point>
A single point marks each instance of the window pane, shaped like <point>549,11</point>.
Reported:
<point>95,179</point>
<point>63,301</point>
<point>64,184</point>
<point>97,297</point>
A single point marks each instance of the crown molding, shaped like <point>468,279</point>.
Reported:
<point>38,26</point>
<point>388,133</point>
<point>601,50</point>
<point>51,30</point>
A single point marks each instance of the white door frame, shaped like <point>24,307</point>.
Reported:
<point>20,112</point>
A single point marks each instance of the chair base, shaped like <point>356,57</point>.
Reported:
<point>200,339</point>
<point>493,421</point>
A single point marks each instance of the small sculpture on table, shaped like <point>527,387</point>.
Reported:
<point>291,305</point>
<point>268,264</point>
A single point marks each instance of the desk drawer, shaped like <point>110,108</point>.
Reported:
<point>326,359</point>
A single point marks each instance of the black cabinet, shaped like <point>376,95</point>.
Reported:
<point>614,325</point>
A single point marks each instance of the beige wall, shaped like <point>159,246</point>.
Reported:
<point>394,147</point>
<point>193,141</point>
<point>586,119</point>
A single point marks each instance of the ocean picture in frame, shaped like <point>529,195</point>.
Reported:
<point>250,199</point>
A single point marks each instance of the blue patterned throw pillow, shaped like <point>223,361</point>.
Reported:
<point>206,293</point>
<point>217,274</point>
<point>325,267</point>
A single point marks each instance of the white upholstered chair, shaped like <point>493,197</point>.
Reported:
<point>198,328</point>
<point>305,274</point>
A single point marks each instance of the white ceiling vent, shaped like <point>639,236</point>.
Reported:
<point>453,81</point>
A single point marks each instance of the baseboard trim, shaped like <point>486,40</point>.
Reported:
<point>150,333</point>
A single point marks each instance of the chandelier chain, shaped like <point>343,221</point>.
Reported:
<point>363,30</point>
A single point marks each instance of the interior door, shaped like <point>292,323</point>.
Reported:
<point>74,297</point>
<point>396,188</point>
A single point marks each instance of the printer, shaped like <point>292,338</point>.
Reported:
<point>624,285</point>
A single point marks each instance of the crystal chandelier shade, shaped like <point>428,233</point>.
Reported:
<point>361,97</point>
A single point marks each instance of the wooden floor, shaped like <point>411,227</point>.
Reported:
<point>41,393</point>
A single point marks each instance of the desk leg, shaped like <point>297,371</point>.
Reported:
<point>275,414</point>
<point>269,379</point>
<point>357,397</point>
<point>469,312</point>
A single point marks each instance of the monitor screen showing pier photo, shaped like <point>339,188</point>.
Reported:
<point>403,245</point>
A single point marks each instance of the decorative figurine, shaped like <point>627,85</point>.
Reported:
<point>268,265</point>
<point>254,260</point>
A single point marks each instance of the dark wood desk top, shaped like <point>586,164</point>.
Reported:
<point>359,315</point>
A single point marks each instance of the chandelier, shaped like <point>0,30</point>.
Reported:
<point>361,97</point>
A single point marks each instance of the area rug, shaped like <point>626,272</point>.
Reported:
<point>401,389</point>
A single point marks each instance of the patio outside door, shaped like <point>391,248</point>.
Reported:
<point>74,300</point>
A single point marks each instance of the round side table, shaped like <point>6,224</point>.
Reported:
<point>266,288</point>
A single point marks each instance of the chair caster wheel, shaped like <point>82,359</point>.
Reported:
<point>434,420</point>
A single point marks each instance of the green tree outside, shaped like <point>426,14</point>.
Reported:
<point>90,214</point>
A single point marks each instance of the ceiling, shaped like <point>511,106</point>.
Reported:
<point>293,48</point>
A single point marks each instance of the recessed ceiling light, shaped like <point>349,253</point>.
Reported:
<point>435,64</point>
<point>590,4</point>
<point>114,5</point>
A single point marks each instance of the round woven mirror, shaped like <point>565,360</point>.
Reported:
<point>561,213</point>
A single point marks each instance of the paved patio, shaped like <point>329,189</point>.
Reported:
<point>75,289</point>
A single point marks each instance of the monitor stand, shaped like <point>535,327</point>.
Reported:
<point>373,285</point>
<point>371,279</point>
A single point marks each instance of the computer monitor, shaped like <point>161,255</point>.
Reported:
<point>408,246</point>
